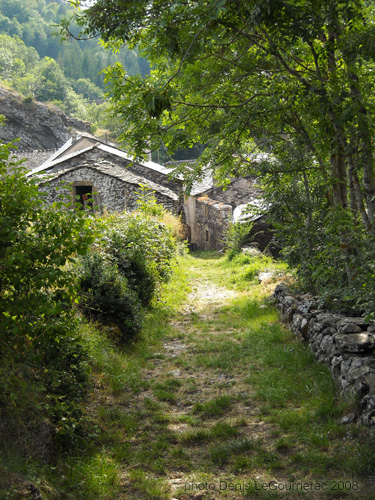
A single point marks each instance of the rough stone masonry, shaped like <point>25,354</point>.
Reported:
<point>346,344</point>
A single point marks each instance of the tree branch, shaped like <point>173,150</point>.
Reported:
<point>223,106</point>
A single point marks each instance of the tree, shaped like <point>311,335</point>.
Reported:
<point>262,74</point>
<point>54,84</point>
<point>85,87</point>
<point>34,21</point>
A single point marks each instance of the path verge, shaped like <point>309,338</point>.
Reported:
<point>219,400</point>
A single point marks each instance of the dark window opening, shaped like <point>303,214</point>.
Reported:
<point>85,196</point>
<point>206,235</point>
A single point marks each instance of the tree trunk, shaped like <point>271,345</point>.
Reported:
<point>367,153</point>
<point>309,219</point>
<point>356,194</point>
<point>353,195</point>
<point>338,155</point>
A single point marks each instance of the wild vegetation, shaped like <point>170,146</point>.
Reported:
<point>215,391</point>
<point>35,21</point>
<point>293,79</point>
<point>203,387</point>
<point>36,64</point>
<point>160,385</point>
<point>55,261</point>
<point>43,366</point>
<point>125,268</point>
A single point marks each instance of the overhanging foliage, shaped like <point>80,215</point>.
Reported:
<point>293,78</point>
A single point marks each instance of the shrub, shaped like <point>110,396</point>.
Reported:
<point>147,203</point>
<point>133,264</point>
<point>235,237</point>
<point>124,271</point>
<point>107,296</point>
<point>143,248</point>
<point>38,341</point>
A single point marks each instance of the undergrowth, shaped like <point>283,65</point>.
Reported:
<point>213,391</point>
<point>50,355</point>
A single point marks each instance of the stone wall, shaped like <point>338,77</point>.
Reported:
<point>112,193</point>
<point>345,344</point>
<point>238,192</point>
<point>161,178</point>
<point>207,222</point>
<point>137,169</point>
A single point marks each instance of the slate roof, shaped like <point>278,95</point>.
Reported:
<point>108,168</point>
<point>62,155</point>
<point>33,158</point>
<point>49,159</point>
<point>200,187</point>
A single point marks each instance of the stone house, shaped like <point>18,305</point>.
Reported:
<point>101,175</point>
<point>88,147</point>
<point>101,184</point>
<point>210,209</point>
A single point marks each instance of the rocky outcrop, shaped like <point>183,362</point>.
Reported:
<point>346,344</point>
<point>37,125</point>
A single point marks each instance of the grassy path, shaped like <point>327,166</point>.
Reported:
<point>218,402</point>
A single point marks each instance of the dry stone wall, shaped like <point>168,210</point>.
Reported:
<point>112,192</point>
<point>209,223</point>
<point>345,344</point>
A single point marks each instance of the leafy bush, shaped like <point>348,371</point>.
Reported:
<point>124,271</point>
<point>143,248</point>
<point>236,236</point>
<point>148,205</point>
<point>147,202</point>
<point>38,340</point>
<point>134,265</point>
<point>107,295</point>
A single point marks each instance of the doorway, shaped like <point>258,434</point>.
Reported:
<point>84,196</point>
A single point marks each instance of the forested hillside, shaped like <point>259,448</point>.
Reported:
<point>33,21</point>
<point>35,63</point>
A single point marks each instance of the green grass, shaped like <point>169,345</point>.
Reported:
<point>221,454</point>
<point>214,408</point>
<point>243,399</point>
<point>220,430</point>
<point>91,477</point>
<point>147,488</point>
<point>163,395</point>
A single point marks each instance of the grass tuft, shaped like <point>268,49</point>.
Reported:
<point>216,407</point>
